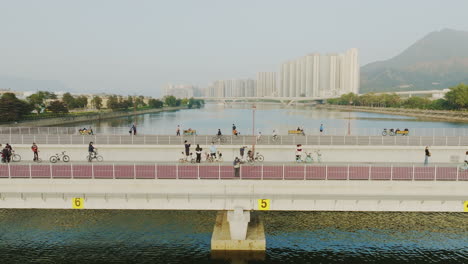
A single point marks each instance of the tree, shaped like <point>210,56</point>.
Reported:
<point>458,96</point>
<point>81,101</point>
<point>69,100</point>
<point>417,102</point>
<point>12,108</point>
<point>155,103</point>
<point>96,102</point>
<point>57,107</point>
<point>170,100</point>
<point>37,100</point>
<point>113,102</point>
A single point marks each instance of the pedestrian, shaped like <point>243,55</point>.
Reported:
<point>134,129</point>
<point>321,129</point>
<point>178,130</point>
<point>5,151</point>
<point>187,148</point>
<point>236,164</point>
<point>219,132</point>
<point>242,152</point>
<point>35,151</point>
<point>8,152</point>
<point>234,132</point>
<point>426,156</point>
<point>198,151</point>
<point>213,150</point>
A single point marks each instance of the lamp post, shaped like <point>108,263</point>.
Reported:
<point>349,119</point>
<point>253,129</point>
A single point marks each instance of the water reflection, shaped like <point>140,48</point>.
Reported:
<point>208,119</point>
<point>126,236</point>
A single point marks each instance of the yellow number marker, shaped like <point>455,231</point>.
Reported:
<point>78,203</point>
<point>465,206</point>
<point>264,204</point>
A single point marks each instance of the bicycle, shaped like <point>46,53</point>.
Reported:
<point>219,139</point>
<point>15,157</point>
<point>274,138</point>
<point>185,159</point>
<point>94,155</point>
<point>463,167</point>
<point>256,158</point>
<point>216,158</point>
<point>57,157</point>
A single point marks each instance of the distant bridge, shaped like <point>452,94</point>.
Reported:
<point>435,94</point>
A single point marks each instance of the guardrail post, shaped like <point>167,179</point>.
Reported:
<point>177,171</point>
<point>113,171</point>
<point>9,171</point>
<point>198,171</point>
<point>283,171</point>
<point>50,170</point>
<point>305,172</point>
<point>446,140</point>
<point>435,172</point>
<point>134,171</point>
<point>132,139</point>
<point>391,172</point>
<point>30,173</point>
<point>370,169</point>
<point>459,141</point>
<point>420,141</point>
<point>458,170</point>
<point>413,173</point>
<point>294,140</point>
<point>347,174</point>
<point>71,170</point>
<point>219,171</point>
<point>262,172</point>
<point>394,140</point>
<point>326,172</point>
<point>155,171</point>
<point>92,171</point>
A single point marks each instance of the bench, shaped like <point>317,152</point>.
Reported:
<point>190,132</point>
<point>294,132</point>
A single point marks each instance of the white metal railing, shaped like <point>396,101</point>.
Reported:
<point>237,140</point>
<point>336,131</point>
<point>388,172</point>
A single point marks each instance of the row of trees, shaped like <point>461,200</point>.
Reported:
<point>455,99</point>
<point>44,103</point>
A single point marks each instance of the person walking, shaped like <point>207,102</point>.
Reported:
<point>187,148</point>
<point>35,150</point>
<point>236,165</point>
<point>178,130</point>
<point>426,156</point>
<point>198,151</point>
<point>321,129</point>
<point>234,131</point>
<point>133,129</point>
<point>91,151</point>
<point>242,152</point>
<point>213,150</point>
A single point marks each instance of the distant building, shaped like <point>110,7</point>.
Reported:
<point>180,91</point>
<point>266,84</point>
<point>318,75</point>
<point>232,88</point>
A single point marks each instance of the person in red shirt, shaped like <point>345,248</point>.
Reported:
<point>35,150</point>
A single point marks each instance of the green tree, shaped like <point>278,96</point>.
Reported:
<point>170,100</point>
<point>113,102</point>
<point>458,96</point>
<point>155,103</point>
<point>12,108</point>
<point>37,100</point>
<point>81,101</point>
<point>417,102</point>
<point>57,107</point>
<point>96,102</point>
<point>69,100</point>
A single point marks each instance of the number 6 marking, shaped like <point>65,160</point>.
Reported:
<point>78,203</point>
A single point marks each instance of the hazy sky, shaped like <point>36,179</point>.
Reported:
<point>136,46</point>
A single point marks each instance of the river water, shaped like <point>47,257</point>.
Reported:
<point>212,117</point>
<point>119,236</point>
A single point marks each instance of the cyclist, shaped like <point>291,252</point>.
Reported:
<point>35,151</point>
<point>8,152</point>
<point>298,153</point>
<point>275,134</point>
<point>259,136</point>
<point>91,150</point>
<point>466,159</point>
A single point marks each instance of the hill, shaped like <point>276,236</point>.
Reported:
<point>437,61</point>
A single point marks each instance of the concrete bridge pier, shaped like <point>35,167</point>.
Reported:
<point>238,230</point>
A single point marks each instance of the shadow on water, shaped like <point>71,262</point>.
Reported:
<point>137,236</point>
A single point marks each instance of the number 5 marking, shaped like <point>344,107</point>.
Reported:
<point>264,204</point>
<point>78,203</point>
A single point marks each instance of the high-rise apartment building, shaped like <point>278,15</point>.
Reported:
<point>319,75</point>
<point>232,88</point>
<point>266,84</point>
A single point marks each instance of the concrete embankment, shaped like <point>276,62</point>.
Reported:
<point>280,154</point>
<point>84,118</point>
<point>459,116</point>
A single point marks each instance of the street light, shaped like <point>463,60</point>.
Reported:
<point>253,128</point>
<point>349,119</point>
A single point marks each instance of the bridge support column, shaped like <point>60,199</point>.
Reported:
<point>238,230</point>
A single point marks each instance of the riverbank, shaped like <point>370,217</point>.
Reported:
<point>91,117</point>
<point>458,116</point>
